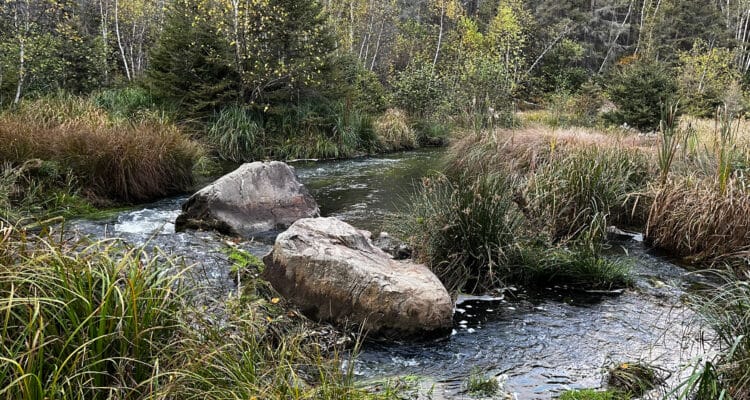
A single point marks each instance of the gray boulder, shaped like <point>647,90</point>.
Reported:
<point>255,198</point>
<point>334,273</point>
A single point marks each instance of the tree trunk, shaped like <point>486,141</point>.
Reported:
<point>119,42</point>
<point>440,34</point>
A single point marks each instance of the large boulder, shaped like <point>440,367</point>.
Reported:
<point>333,272</point>
<point>255,198</point>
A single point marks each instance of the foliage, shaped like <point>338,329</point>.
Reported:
<point>237,135</point>
<point>465,231</point>
<point>129,103</point>
<point>394,131</point>
<point>190,65</point>
<point>640,89</point>
<point>723,308</point>
<point>82,320</point>
<point>634,378</point>
<point>579,266</point>
<point>694,218</point>
<point>591,394</point>
<point>418,90</point>
<point>481,384</point>
<point>704,76</point>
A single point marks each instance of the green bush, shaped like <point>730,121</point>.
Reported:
<point>639,89</point>
<point>418,90</point>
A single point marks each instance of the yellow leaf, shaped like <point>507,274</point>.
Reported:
<point>275,300</point>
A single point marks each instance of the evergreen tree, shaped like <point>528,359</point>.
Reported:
<point>190,65</point>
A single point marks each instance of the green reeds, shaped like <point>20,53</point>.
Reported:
<point>82,320</point>
<point>724,137</point>
<point>466,231</point>
<point>572,190</point>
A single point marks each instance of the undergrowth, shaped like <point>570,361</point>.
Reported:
<point>101,320</point>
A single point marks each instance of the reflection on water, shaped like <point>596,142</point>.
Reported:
<point>543,342</point>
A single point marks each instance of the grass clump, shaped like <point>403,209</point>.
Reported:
<point>573,190</point>
<point>577,266</point>
<point>591,394</point>
<point>237,135</point>
<point>98,320</point>
<point>475,237</point>
<point>82,320</point>
<point>724,308</point>
<point>109,159</point>
<point>482,384</point>
<point>466,231</point>
<point>695,219</point>
<point>394,132</point>
<point>634,378</point>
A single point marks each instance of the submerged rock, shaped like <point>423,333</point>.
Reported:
<point>255,198</point>
<point>395,247</point>
<point>333,272</point>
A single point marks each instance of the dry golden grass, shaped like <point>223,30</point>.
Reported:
<point>122,161</point>
<point>394,132</point>
<point>524,150</point>
<point>692,218</point>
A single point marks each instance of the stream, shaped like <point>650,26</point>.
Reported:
<point>538,343</point>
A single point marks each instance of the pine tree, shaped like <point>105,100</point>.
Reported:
<point>190,65</point>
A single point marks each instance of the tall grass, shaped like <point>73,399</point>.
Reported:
<point>130,104</point>
<point>724,308</point>
<point>466,231</point>
<point>82,320</point>
<point>394,131</point>
<point>574,189</point>
<point>237,135</point>
<point>474,236</point>
<point>111,160</point>
<point>693,218</point>
<point>99,320</point>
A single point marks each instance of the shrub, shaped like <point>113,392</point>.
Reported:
<point>394,132</point>
<point>639,89</point>
<point>418,90</point>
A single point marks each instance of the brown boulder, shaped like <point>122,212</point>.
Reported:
<point>333,272</point>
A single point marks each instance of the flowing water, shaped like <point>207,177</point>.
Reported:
<point>540,343</point>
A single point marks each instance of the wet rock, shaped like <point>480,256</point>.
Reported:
<point>333,272</point>
<point>255,198</point>
<point>395,247</point>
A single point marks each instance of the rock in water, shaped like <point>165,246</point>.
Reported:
<point>333,272</point>
<point>255,198</point>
